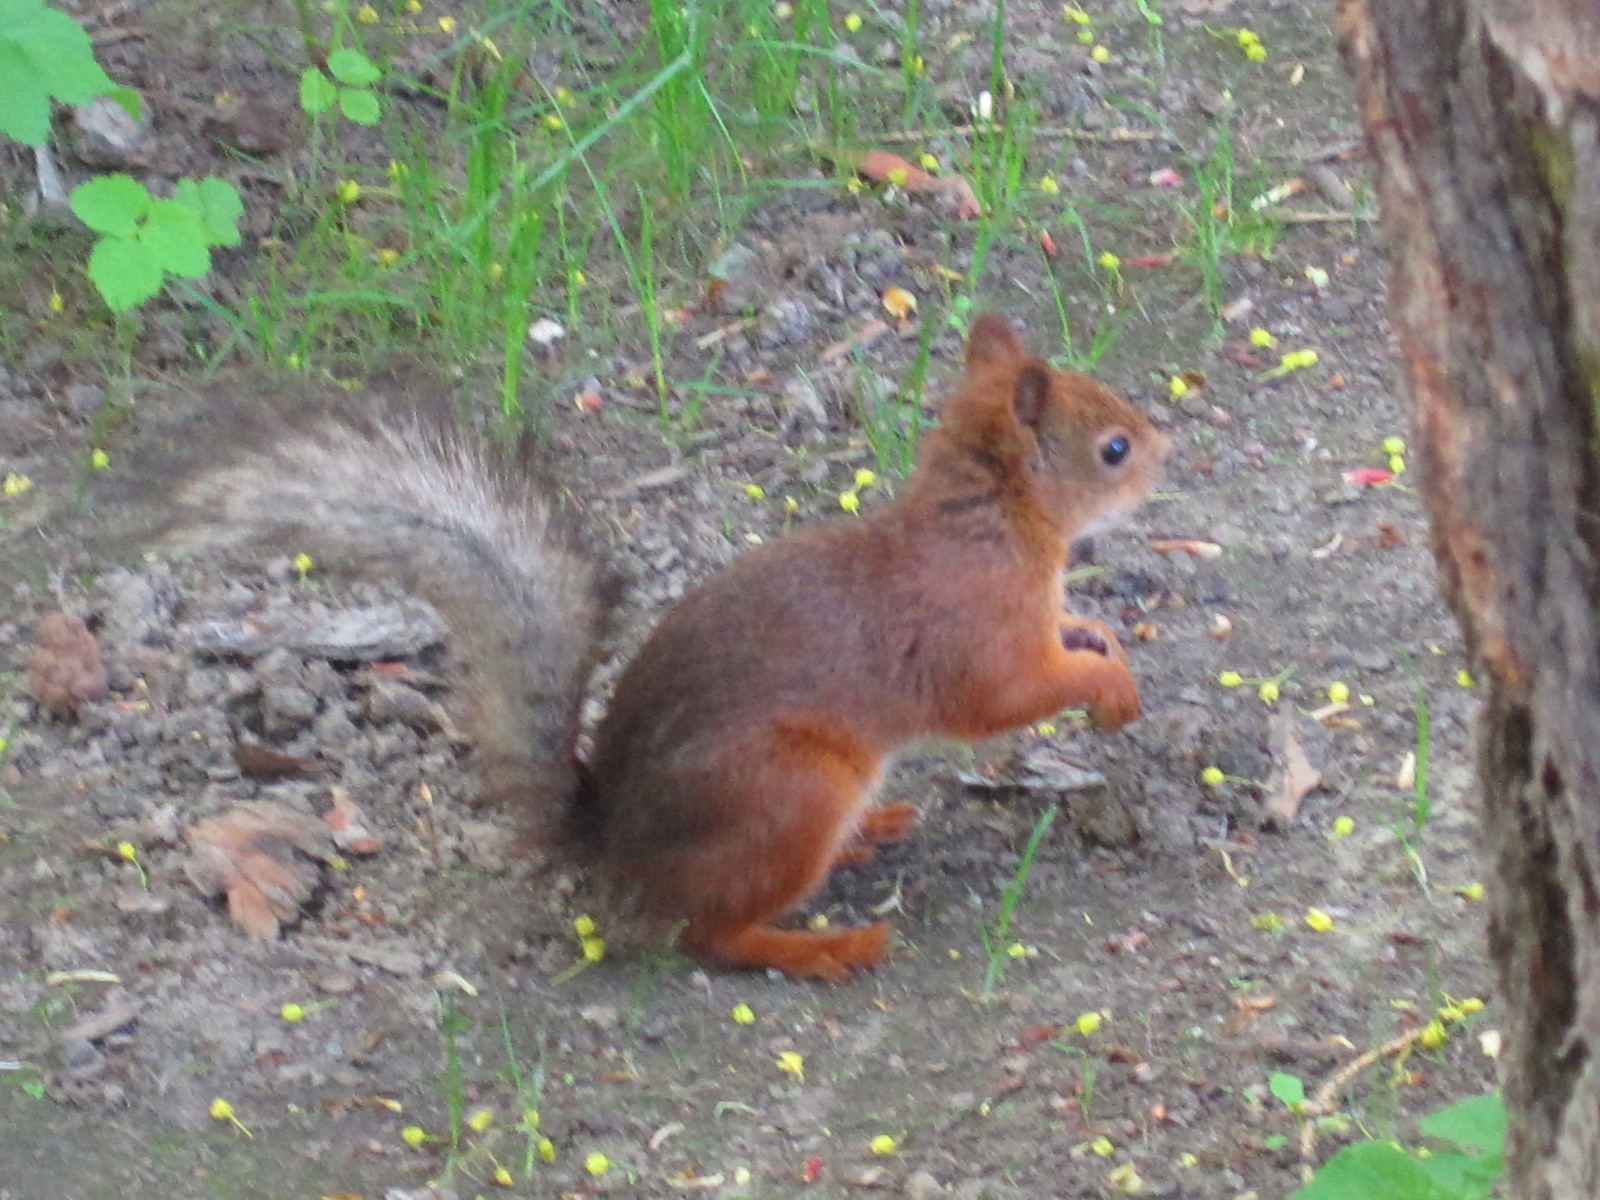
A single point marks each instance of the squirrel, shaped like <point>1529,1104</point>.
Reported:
<point>738,755</point>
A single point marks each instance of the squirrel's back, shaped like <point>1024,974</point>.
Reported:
<point>390,486</point>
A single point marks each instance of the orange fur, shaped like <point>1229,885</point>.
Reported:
<point>742,745</point>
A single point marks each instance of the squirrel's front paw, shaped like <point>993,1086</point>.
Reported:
<point>1116,702</point>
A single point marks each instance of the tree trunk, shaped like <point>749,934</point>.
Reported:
<point>1483,119</point>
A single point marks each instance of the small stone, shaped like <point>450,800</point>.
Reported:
<point>335,983</point>
<point>104,135</point>
<point>802,406</point>
<point>286,709</point>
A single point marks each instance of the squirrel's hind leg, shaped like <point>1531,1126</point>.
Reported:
<point>779,838</point>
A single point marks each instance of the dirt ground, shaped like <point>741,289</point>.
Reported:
<point>435,973</point>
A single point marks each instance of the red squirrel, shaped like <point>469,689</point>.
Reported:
<point>739,752</point>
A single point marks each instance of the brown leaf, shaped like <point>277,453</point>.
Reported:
<point>1035,1034</point>
<point>1292,775</point>
<point>899,304</point>
<point>263,762</point>
<point>257,854</point>
<point>349,825</point>
<point>1189,546</point>
<point>64,666</point>
<point>884,167</point>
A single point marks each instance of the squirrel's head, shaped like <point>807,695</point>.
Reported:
<point>1085,454</point>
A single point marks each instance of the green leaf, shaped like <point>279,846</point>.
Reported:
<point>317,92</point>
<point>129,100</point>
<point>353,67</point>
<point>359,105</point>
<point>125,272</point>
<point>174,235</point>
<point>61,52</point>
<point>1288,1088</point>
<point>24,103</point>
<point>1372,1171</point>
<point>1476,1124</point>
<point>217,205</point>
<point>111,204</point>
<point>1469,1176</point>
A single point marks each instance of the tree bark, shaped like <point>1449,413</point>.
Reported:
<point>1483,119</point>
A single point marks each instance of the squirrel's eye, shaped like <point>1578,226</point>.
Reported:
<point>1114,451</point>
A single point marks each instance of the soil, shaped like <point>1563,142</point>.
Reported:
<point>436,973</point>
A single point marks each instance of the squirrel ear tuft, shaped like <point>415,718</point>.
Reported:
<point>1032,393</point>
<point>993,342</point>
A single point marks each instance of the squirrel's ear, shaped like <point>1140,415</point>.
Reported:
<point>992,342</point>
<point>1032,393</point>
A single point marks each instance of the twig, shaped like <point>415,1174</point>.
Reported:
<point>1321,1104</point>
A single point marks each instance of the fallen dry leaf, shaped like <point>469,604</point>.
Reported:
<point>899,304</point>
<point>349,825</point>
<point>1236,310</point>
<point>1277,195</point>
<point>263,762</point>
<point>1187,546</point>
<point>1368,476</point>
<point>884,167</point>
<point>1293,776</point>
<point>1151,260</point>
<point>1406,778</point>
<point>1389,538</point>
<point>64,666</point>
<point>259,853</point>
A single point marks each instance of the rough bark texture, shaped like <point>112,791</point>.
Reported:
<point>1483,117</point>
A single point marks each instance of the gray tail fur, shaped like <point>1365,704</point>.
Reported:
<point>396,490</point>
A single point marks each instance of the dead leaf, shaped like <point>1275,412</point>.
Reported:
<point>899,304</point>
<point>1189,546</point>
<point>257,853</point>
<point>1329,547</point>
<point>1047,244</point>
<point>660,1137</point>
<point>1368,476</point>
<point>1151,260</point>
<point>1293,776</point>
<point>1277,195</point>
<point>263,762</point>
<point>1235,310</point>
<point>1405,778</point>
<point>883,167</point>
<point>349,825</point>
<point>1035,1034</point>
<point>64,667</point>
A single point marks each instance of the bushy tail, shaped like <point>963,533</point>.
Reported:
<point>392,489</point>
